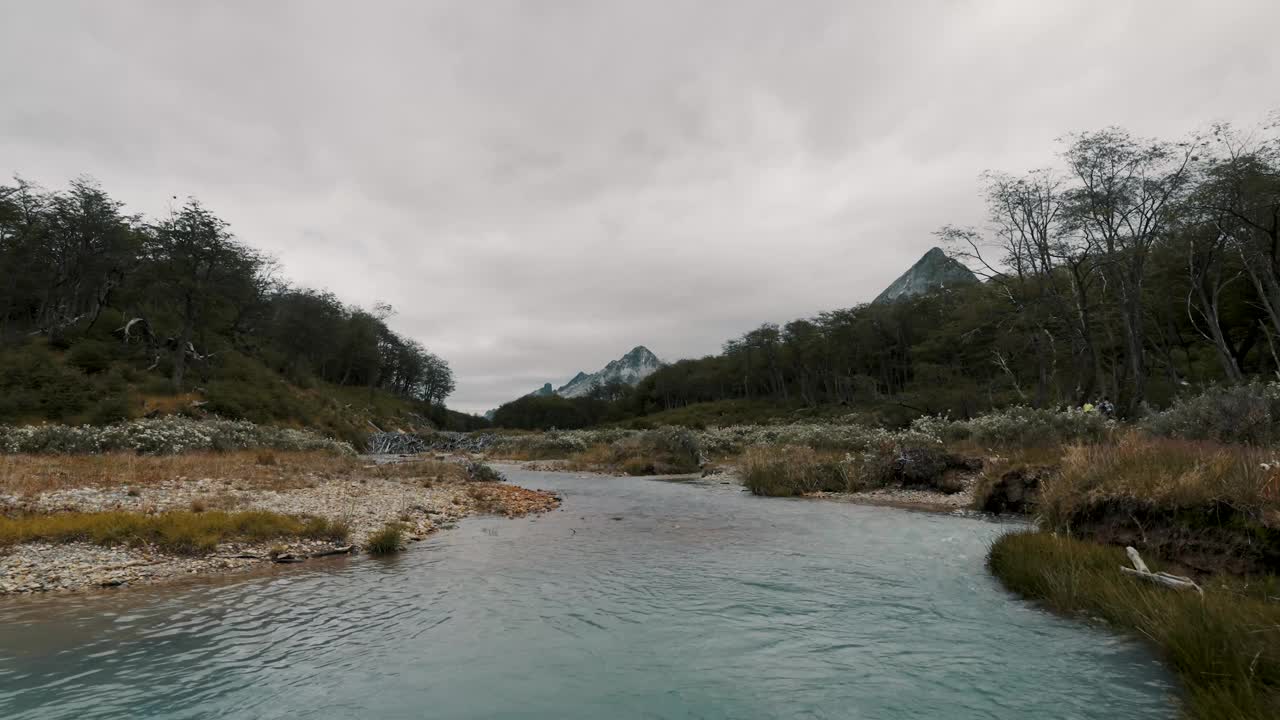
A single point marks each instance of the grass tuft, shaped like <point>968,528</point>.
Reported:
<point>791,470</point>
<point>386,541</point>
<point>1225,647</point>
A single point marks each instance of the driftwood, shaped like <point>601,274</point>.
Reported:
<point>335,551</point>
<point>1140,570</point>
<point>290,557</point>
<point>395,443</point>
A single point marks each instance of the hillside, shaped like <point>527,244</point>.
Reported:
<point>95,382</point>
<point>107,315</point>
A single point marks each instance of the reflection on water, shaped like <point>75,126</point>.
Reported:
<point>639,599</point>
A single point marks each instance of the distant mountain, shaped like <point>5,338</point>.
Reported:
<point>629,369</point>
<point>934,271</point>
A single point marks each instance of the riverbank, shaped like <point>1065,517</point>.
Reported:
<point>1224,644</point>
<point>357,494</point>
<point>684,598</point>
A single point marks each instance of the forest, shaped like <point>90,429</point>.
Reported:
<point>102,311</point>
<point>1131,269</point>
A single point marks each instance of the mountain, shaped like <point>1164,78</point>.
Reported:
<point>934,271</point>
<point>629,369</point>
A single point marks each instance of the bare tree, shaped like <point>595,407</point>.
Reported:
<point>1121,206</point>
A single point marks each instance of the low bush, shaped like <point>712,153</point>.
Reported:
<point>162,436</point>
<point>91,356</point>
<point>1246,414</point>
<point>666,451</point>
<point>386,541</point>
<point>480,472</point>
<point>35,384</point>
<point>1225,646</point>
<point>912,464</point>
<point>1021,426</point>
<point>728,441</point>
<point>179,532</point>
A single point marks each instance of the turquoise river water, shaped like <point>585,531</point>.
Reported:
<point>639,599</point>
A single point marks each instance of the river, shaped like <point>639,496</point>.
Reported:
<point>638,599</point>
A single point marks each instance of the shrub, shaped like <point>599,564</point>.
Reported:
<point>1246,414</point>
<point>162,436</point>
<point>112,408</point>
<point>847,438</point>
<point>35,384</point>
<point>1225,646</point>
<point>676,447</point>
<point>1021,426</point>
<point>91,356</point>
<point>897,462</point>
<point>480,472</point>
<point>386,541</point>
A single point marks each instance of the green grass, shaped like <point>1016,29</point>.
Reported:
<point>180,532</point>
<point>1225,647</point>
<point>100,381</point>
<point>386,541</point>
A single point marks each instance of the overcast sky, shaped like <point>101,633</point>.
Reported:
<point>538,186</point>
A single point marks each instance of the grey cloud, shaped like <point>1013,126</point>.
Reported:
<point>539,186</point>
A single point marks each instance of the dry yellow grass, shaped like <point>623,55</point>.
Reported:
<point>418,469</point>
<point>788,470</point>
<point>185,533</point>
<point>1165,474</point>
<point>30,475</point>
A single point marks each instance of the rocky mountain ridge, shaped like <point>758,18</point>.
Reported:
<point>934,271</point>
<point>638,364</point>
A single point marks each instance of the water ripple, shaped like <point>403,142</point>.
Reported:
<point>700,602</point>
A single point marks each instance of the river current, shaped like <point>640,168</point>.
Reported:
<point>638,599</point>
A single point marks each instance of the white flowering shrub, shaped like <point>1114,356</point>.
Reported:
<point>849,438</point>
<point>1023,426</point>
<point>1246,414</point>
<point>162,436</point>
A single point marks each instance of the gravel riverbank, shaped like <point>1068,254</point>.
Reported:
<point>365,499</point>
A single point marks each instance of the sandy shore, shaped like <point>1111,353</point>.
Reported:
<point>365,501</point>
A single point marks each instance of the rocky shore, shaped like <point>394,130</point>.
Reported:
<point>365,500</point>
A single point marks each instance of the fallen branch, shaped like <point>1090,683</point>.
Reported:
<point>1140,570</point>
<point>335,551</point>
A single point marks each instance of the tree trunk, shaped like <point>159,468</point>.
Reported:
<point>184,339</point>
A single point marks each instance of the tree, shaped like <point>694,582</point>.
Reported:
<point>202,268</point>
<point>1121,206</point>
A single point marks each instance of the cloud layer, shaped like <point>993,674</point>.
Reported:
<point>539,186</point>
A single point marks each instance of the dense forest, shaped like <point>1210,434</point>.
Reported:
<point>1132,269</point>
<point>102,311</point>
